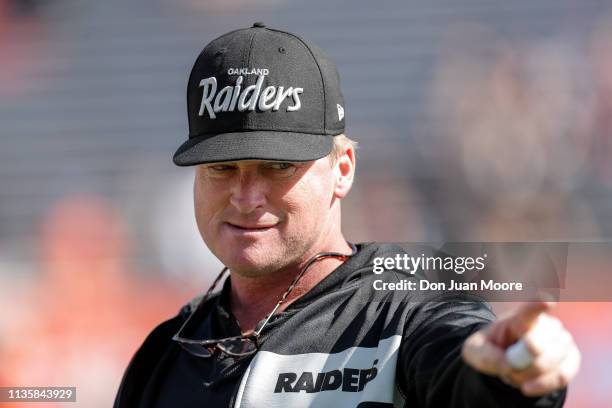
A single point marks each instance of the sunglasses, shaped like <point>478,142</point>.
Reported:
<point>247,343</point>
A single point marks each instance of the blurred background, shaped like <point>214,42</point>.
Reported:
<point>477,121</point>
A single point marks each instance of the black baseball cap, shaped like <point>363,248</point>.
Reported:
<point>261,94</point>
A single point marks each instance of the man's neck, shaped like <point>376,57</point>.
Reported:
<point>253,298</point>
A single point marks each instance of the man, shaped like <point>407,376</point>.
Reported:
<point>298,323</point>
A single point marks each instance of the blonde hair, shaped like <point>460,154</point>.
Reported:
<point>341,143</point>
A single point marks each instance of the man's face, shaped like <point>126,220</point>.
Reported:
<point>260,216</point>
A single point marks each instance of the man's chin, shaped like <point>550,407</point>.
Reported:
<point>252,259</point>
<point>254,263</point>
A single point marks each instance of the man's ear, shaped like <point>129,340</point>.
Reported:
<point>344,169</point>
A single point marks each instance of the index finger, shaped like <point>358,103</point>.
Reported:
<point>526,316</point>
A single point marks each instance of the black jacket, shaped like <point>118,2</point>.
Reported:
<point>342,344</point>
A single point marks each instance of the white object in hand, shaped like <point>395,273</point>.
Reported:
<point>519,356</point>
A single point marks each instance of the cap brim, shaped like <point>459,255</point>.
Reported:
<point>253,145</point>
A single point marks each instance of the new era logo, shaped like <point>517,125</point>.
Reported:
<point>340,111</point>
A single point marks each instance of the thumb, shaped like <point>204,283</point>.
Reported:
<point>526,317</point>
<point>484,356</point>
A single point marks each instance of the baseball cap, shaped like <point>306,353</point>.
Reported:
<point>261,94</point>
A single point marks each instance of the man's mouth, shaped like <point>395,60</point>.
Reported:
<point>251,227</point>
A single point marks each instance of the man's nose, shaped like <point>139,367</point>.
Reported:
<point>248,192</point>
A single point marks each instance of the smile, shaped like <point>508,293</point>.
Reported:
<point>248,228</point>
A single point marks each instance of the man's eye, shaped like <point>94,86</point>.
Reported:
<point>280,169</point>
<point>221,167</point>
<point>219,170</point>
<point>280,166</point>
